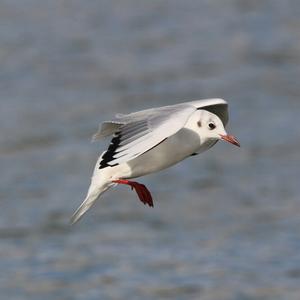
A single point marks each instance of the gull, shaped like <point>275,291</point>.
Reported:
<point>151,140</point>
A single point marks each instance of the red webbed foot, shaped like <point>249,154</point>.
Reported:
<point>141,190</point>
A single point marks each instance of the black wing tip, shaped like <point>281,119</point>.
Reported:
<point>111,151</point>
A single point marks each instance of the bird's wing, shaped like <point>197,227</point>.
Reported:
<point>141,131</point>
<point>217,106</point>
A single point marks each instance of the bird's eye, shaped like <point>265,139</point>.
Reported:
<point>211,126</point>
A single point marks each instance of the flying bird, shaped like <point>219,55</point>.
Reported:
<point>150,140</point>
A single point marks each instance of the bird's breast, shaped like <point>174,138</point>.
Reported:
<point>169,152</point>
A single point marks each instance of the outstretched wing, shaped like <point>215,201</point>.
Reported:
<point>139,132</point>
<point>217,106</point>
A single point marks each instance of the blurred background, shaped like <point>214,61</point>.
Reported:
<point>225,223</point>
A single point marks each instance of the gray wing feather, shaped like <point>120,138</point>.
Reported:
<point>107,128</point>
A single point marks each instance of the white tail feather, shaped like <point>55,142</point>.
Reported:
<point>86,204</point>
<point>99,184</point>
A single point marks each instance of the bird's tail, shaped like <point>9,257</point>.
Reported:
<point>99,184</point>
<point>90,199</point>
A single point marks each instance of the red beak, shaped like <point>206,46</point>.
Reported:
<point>231,139</point>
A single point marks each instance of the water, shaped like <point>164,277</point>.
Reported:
<point>225,224</point>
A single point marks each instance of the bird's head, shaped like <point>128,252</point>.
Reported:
<point>211,127</point>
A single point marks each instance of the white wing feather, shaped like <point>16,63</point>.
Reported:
<point>144,130</point>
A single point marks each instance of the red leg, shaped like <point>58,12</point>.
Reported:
<point>141,190</point>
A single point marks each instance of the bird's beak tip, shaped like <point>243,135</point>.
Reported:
<point>230,139</point>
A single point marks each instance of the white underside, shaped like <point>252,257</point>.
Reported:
<point>168,153</point>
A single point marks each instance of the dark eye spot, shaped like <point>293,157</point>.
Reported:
<point>211,126</point>
<point>199,123</point>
